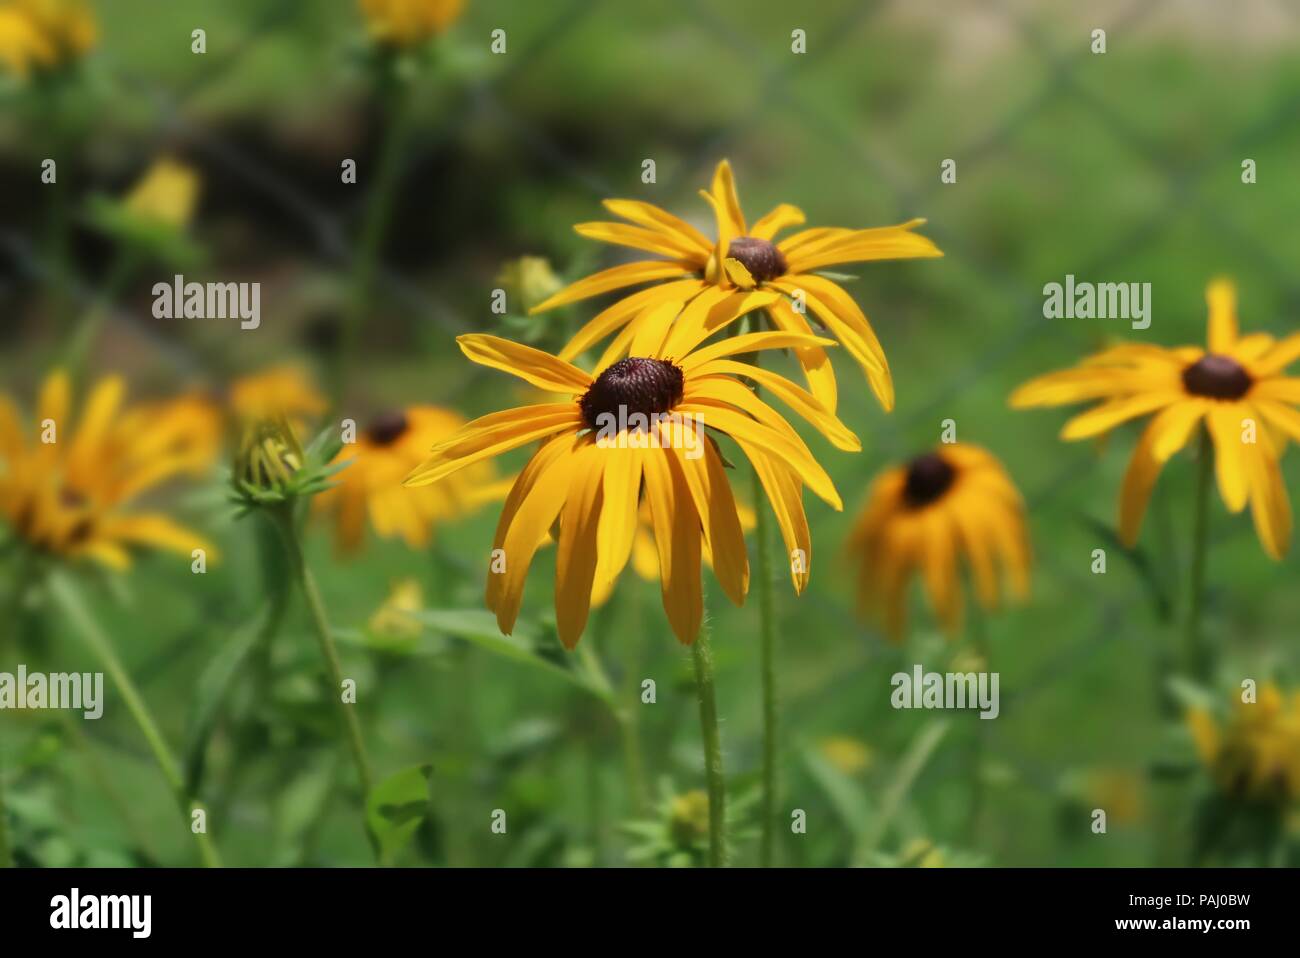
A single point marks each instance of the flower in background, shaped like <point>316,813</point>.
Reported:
<point>1255,754</point>
<point>1236,388</point>
<point>385,452</point>
<point>953,503</point>
<point>278,391</point>
<point>595,459</point>
<point>67,493</point>
<point>529,279</point>
<point>167,194</point>
<point>405,23</point>
<point>394,619</point>
<point>705,273</point>
<point>847,755</point>
<point>42,35</point>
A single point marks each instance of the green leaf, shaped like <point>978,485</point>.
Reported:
<point>210,693</point>
<point>480,627</point>
<point>397,806</point>
<point>846,796</point>
<point>909,768</point>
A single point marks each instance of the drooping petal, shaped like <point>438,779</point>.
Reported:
<point>1230,465</point>
<point>575,558</point>
<point>813,360</point>
<point>801,401</point>
<point>677,538</point>
<point>750,343</point>
<point>706,478</point>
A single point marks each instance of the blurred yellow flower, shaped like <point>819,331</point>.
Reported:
<point>703,273</point>
<point>393,619</point>
<point>1236,388</point>
<point>66,493</point>
<point>955,501</point>
<point>281,391</point>
<point>385,452</point>
<point>847,755</point>
<point>39,35</point>
<point>922,853</point>
<point>166,194</point>
<point>1120,792</point>
<point>1255,754</point>
<point>406,23</point>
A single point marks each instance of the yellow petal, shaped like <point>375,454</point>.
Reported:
<point>781,217</point>
<point>813,360</point>
<point>1221,297</point>
<point>531,365</point>
<point>1107,416</point>
<point>1225,424</point>
<point>638,237</point>
<point>616,277</point>
<point>677,538</point>
<point>575,559</point>
<point>652,217</point>
<point>622,312</point>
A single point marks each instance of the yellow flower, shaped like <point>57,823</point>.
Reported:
<point>1256,754</point>
<point>281,391</point>
<point>390,446</point>
<point>944,505</point>
<point>393,619</point>
<point>39,35</point>
<point>599,447</point>
<point>848,755</point>
<point>166,194</point>
<point>704,273</point>
<point>1236,388</point>
<point>67,493</point>
<point>406,23</point>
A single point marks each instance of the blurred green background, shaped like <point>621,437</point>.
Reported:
<point>1121,167</point>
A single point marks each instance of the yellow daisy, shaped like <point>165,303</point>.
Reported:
<point>1256,753</point>
<point>405,23</point>
<point>39,35</point>
<point>633,430</point>
<point>703,272</point>
<point>954,503</point>
<point>386,450</point>
<point>1235,388</point>
<point>67,493</point>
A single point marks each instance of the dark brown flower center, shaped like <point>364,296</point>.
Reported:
<point>632,385</point>
<point>928,478</point>
<point>1216,376</point>
<point>763,260</point>
<point>386,428</point>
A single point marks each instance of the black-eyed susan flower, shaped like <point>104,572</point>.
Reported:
<point>953,505</point>
<point>386,450</point>
<point>38,36</point>
<point>1235,389</point>
<point>1255,753</point>
<point>637,428</point>
<point>405,23</point>
<point>703,273</point>
<point>66,492</point>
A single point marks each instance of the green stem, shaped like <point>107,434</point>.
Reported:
<point>325,638</point>
<point>702,659</point>
<point>83,336</point>
<point>377,216</point>
<point>1196,662</point>
<point>65,594</point>
<point>979,638</point>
